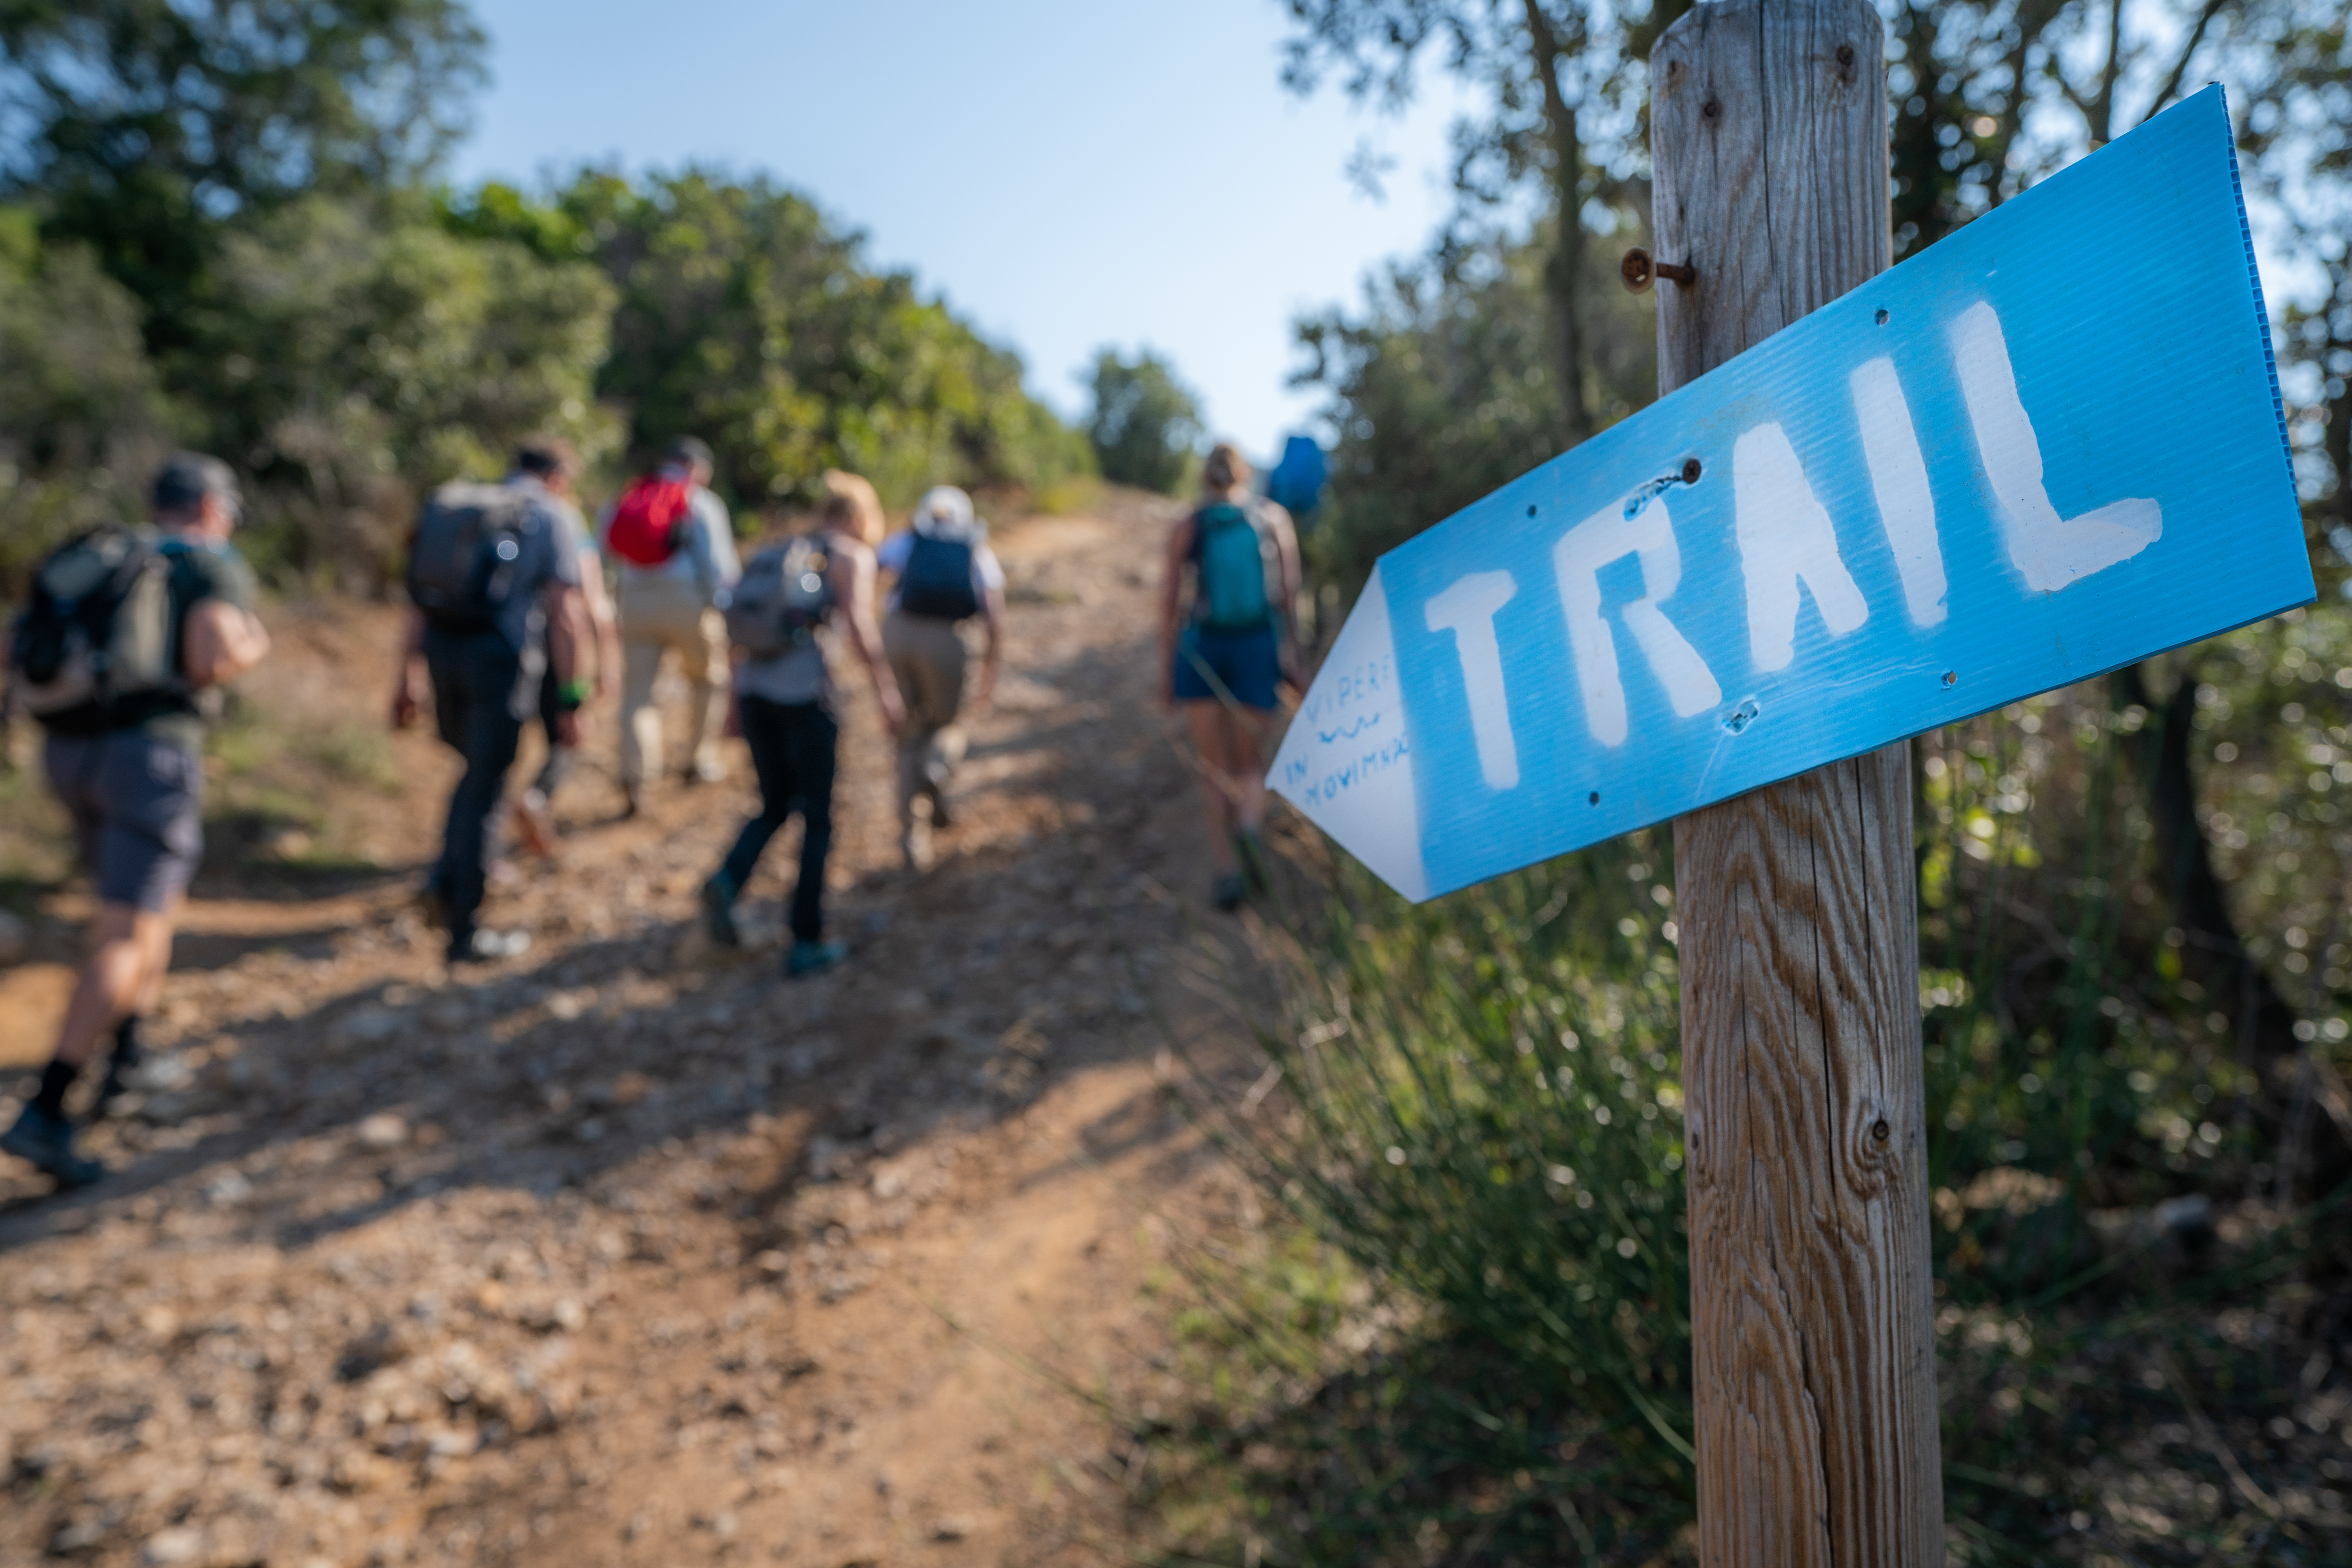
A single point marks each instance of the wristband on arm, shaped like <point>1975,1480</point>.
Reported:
<point>571,694</point>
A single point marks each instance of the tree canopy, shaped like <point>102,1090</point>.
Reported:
<point>1144,425</point>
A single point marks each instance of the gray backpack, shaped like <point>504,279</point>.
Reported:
<point>466,555</point>
<point>781,599</point>
<point>99,629</point>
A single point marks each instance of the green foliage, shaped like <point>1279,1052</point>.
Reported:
<point>745,318</point>
<point>81,416</point>
<point>145,124</point>
<point>1450,1064</point>
<point>1442,390</point>
<point>1143,424</point>
<point>354,352</point>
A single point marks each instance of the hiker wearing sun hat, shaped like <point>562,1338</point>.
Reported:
<point>946,575</point>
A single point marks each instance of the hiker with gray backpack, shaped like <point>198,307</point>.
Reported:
<point>783,699</point>
<point>946,575</point>
<point>1236,557</point>
<point>495,599</point>
<point>128,638</point>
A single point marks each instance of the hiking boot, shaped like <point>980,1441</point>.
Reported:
<point>940,815</point>
<point>633,800</point>
<point>1229,891</point>
<point>45,1141</point>
<point>1257,871</point>
<point>488,946</point>
<point>808,958</point>
<point>718,911</point>
<point>915,844</point>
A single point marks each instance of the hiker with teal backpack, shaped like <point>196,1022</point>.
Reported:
<point>946,574</point>
<point>775,614</point>
<point>1223,661</point>
<point>129,633</point>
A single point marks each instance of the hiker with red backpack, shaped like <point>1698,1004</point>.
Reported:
<point>1223,661</point>
<point>494,601</point>
<point>673,547</point>
<point>783,699</point>
<point>130,634</point>
<point>946,575</point>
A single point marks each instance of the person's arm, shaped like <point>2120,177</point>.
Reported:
<point>857,607</point>
<point>991,656</point>
<point>1286,543</point>
<point>408,673</point>
<point>569,631</point>
<point>1171,595</point>
<point>603,620</point>
<point>220,641</point>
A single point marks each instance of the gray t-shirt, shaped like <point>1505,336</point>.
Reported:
<point>797,675</point>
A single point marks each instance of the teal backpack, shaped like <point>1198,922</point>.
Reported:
<point>1232,555</point>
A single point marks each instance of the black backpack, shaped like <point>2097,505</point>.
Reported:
<point>466,555</point>
<point>98,630</point>
<point>937,583</point>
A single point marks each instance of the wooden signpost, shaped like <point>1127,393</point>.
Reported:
<point>1867,502</point>
<point>1805,1124</point>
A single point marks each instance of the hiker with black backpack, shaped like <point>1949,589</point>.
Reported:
<point>1224,662</point>
<point>783,699</point>
<point>129,633</point>
<point>946,575</point>
<point>495,598</point>
<point>673,548</point>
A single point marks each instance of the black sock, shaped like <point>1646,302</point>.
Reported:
<point>127,1054</point>
<point>56,1078</point>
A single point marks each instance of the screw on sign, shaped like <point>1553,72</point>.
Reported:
<point>1868,503</point>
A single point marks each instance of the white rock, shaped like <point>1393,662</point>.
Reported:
<point>178,1544</point>
<point>383,1131</point>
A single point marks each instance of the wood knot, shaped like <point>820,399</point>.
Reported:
<point>1879,1131</point>
<point>1711,108</point>
<point>1845,63</point>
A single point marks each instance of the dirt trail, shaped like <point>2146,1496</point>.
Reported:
<point>627,1252</point>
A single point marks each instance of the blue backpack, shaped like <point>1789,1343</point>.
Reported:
<point>1297,483</point>
<point>1231,552</point>
<point>937,583</point>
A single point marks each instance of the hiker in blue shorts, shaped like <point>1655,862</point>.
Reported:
<point>129,633</point>
<point>1222,661</point>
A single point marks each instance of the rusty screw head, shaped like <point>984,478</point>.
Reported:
<point>1640,272</point>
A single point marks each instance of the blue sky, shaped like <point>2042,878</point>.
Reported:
<point>1068,175</point>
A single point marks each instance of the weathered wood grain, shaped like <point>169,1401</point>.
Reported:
<point>1812,1305</point>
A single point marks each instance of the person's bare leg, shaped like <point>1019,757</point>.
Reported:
<point>1209,741</point>
<point>1246,765</point>
<point>127,949</point>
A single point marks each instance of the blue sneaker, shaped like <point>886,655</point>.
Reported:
<point>808,958</point>
<point>45,1141</point>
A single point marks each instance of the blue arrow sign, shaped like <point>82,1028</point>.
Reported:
<point>2048,446</point>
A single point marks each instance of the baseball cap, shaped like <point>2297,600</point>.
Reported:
<point>187,477</point>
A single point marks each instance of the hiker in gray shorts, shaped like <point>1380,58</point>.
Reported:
<point>125,756</point>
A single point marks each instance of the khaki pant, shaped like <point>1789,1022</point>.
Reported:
<point>926,656</point>
<point>662,614</point>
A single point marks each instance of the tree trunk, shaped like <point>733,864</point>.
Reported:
<point>1564,271</point>
<point>1811,1310</point>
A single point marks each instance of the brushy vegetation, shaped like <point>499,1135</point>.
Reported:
<point>1143,424</point>
<point>219,229</point>
<point>2142,1299</point>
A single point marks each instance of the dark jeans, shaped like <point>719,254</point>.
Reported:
<point>475,677</point>
<point>792,747</point>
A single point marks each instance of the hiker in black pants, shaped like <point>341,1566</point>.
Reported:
<point>495,585</point>
<point>784,700</point>
<point>125,756</point>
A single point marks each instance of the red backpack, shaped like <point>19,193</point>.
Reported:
<point>648,523</point>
